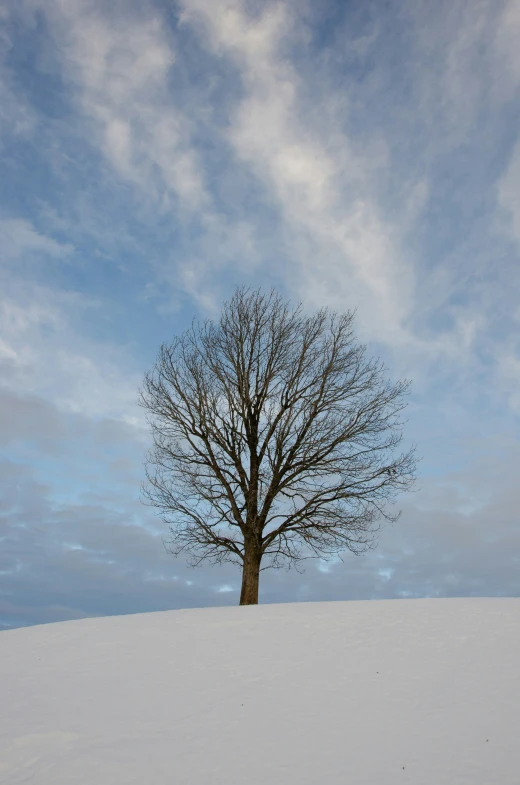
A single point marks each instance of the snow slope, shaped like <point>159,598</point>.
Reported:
<point>394,691</point>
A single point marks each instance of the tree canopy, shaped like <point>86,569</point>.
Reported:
<point>274,438</point>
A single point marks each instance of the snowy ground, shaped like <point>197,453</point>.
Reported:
<point>357,693</point>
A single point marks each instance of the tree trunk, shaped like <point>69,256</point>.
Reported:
<point>250,574</point>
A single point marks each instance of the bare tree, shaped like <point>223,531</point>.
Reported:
<point>271,433</point>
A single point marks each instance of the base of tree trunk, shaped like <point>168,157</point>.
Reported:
<point>250,579</point>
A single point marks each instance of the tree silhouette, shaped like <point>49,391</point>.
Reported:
<point>273,437</point>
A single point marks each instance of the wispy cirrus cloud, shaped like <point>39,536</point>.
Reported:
<point>42,348</point>
<point>20,239</point>
<point>119,77</point>
<point>334,232</point>
<point>509,194</point>
<point>353,208</point>
<point>42,353</point>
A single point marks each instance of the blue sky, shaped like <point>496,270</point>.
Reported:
<point>153,155</point>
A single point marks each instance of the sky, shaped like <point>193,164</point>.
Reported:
<point>422,690</point>
<point>153,156</point>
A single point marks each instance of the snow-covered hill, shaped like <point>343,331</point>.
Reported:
<point>358,693</point>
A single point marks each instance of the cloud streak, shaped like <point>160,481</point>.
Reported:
<point>119,76</point>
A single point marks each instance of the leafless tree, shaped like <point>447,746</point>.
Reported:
<point>272,433</point>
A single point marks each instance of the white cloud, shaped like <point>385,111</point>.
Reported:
<point>509,193</point>
<point>464,30</point>
<point>16,115</point>
<point>343,246</point>
<point>121,70</point>
<point>42,353</point>
<point>18,238</point>
<point>339,245</point>
<point>506,46</point>
<point>508,375</point>
<point>120,75</point>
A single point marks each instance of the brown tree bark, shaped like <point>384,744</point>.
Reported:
<point>250,574</point>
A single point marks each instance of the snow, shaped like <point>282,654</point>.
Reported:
<point>393,691</point>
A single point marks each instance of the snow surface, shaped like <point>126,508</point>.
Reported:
<point>393,691</point>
